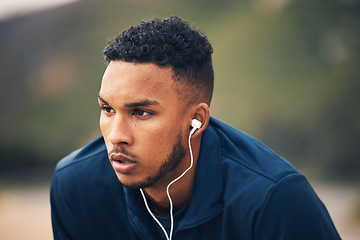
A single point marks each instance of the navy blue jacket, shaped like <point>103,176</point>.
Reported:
<point>242,190</point>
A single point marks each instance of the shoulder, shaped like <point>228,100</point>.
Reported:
<point>293,210</point>
<point>249,169</point>
<point>83,172</point>
<point>84,155</point>
<point>266,189</point>
<point>84,190</point>
<point>83,167</point>
<point>242,152</point>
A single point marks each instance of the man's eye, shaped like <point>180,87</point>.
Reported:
<point>107,109</point>
<point>140,112</point>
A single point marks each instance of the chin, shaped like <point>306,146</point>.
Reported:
<point>146,182</point>
<point>127,182</point>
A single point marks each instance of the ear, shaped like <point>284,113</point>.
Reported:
<point>201,112</point>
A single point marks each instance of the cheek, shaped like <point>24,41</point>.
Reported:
<point>152,141</point>
<point>156,143</point>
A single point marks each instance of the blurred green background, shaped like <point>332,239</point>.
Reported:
<point>286,72</point>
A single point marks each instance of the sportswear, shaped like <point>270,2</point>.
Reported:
<point>242,190</point>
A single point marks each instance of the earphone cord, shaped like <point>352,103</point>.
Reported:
<point>169,237</point>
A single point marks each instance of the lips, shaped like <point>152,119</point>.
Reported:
<point>122,164</point>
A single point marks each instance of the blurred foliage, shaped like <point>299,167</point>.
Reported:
<point>286,71</point>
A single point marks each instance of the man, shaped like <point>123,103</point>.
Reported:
<point>165,169</point>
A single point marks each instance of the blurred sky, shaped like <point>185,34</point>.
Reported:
<point>9,8</point>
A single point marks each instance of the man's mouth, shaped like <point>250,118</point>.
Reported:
<point>122,164</point>
<point>124,161</point>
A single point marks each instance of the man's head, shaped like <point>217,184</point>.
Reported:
<point>170,43</point>
<point>159,76</point>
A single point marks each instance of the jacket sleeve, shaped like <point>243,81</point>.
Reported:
<point>64,223</point>
<point>293,211</point>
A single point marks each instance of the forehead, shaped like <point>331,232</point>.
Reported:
<point>133,81</point>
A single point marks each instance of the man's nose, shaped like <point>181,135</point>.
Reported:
<point>120,132</point>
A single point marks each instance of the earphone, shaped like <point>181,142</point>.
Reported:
<point>196,124</point>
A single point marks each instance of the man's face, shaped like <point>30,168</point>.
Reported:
<point>142,123</point>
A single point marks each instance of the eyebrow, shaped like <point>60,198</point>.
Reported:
<point>141,103</point>
<point>101,99</point>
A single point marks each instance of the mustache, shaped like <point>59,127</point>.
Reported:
<point>121,150</point>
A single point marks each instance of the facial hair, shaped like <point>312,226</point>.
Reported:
<point>171,162</point>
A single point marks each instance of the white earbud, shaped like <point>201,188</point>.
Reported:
<point>196,123</point>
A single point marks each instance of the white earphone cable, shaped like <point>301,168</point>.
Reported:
<point>169,237</point>
<point>153,216</point>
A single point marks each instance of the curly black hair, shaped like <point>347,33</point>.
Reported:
<point>169,42</point>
